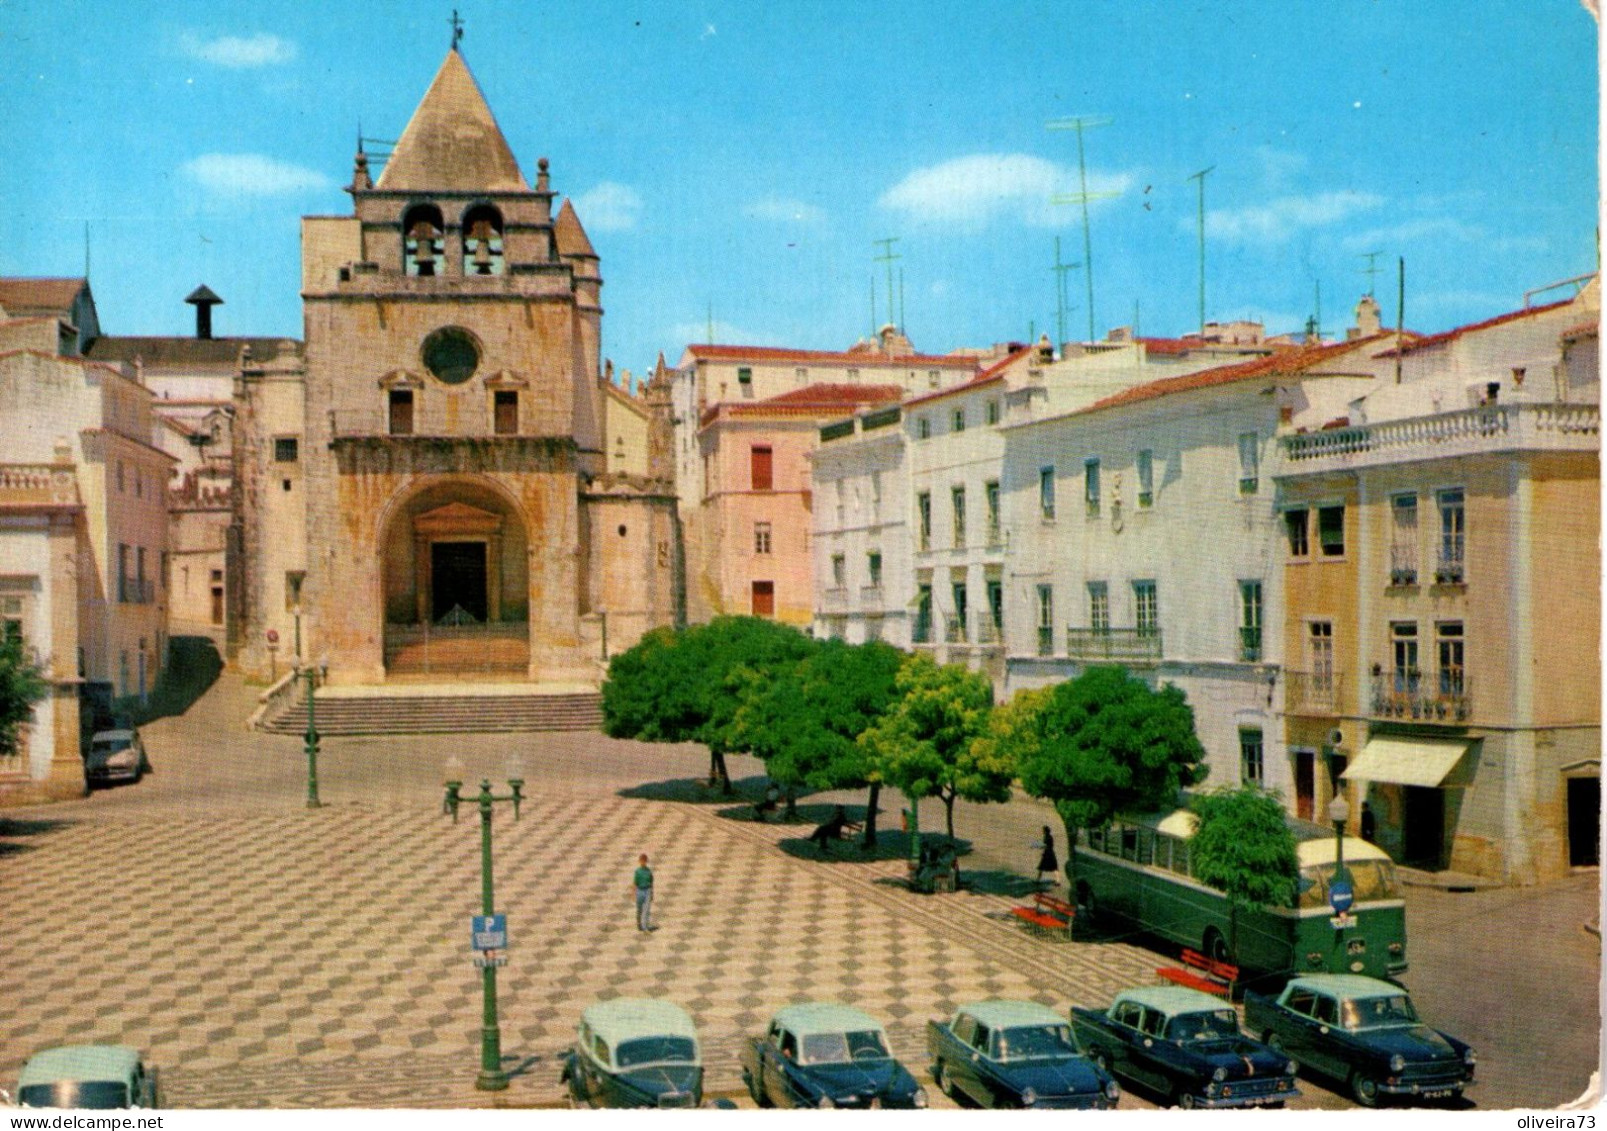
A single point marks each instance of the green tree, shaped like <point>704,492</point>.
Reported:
<point>1244,846</point>
<point>683,686</point>
<point>803,719</point>
<point>925,745</point>
<point>1102,743</point>
<point>22,684</point>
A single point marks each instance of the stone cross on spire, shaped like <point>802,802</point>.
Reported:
<point>457,29</point>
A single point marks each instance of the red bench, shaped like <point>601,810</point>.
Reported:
<point>1202,973</point>
<point>1048,912</point>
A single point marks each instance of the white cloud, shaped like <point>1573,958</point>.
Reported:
<point>260,50</point>
<point>1280,219</point>
<point>985,186</point>
<point>1411,231</point>
<point>1279,166</point>
<point>784,210</point>
<point>609,207</point>
<point>251,174</point>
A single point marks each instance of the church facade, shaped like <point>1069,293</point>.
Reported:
<point>423,489</point>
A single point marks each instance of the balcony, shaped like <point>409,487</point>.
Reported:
<point>1114,645</point>
<point>921,633</point>
<point>1449,566</point>
<point>1046,640</point>
<point>136,590</point>
<point>1313,693</point>
<point>989,632</point>
<point>954,631</point>
<point>834,600</point>
<point>1403,565</point>
<point>1250,644</point>
<point>1490,428</point>
<point>1408,695</point>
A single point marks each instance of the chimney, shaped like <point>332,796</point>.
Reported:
<point>203,300</point>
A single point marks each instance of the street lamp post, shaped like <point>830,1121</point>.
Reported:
<point>313,673</point>
<point>491,1078</point>
<point>1339,814</point>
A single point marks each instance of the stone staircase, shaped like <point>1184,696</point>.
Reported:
<point>516,711</point>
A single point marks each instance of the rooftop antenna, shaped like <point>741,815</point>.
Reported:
<point>1136,332</point>
<point>901,324</point>
<point>86,249</point>
<point>1400,316</point>
<point>1061,303</point>
<point>1200,176</point>
<point>873,306</point>
<point>711,323</point>
<point>1371,269</point>
<point>457,29</point>
<point>1082,198</point>
<point>1317,315</point>
<point>887,256</point>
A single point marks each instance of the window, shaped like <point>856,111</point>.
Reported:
<point>1099,607</point>
<point>923,428</point>
<point>1146,608</point>
<point>996,609</point>
<point>139,482</point>
<point>1249,463</point>
<point>992,412</point>
<point>1294,525</point>
<point>1046,620</point>
<point>959,420</point>
<point>1046,493</point>
<point>1250,621</point>
<point>119,476</point>
<point>451,354</point>
<point>1453,682</point>
<point>1320,634</point>
<point>761,537</point>
<point>401,408</point>
<point>293,582</point>
<point>800,376</point>
<point>875,496</point>
<point>839,571</point>
<point>957,633</point>
<point>482,241</point>
<point>1252,767</point>
<point>745,381</point>
<point>124,585</point>
<point>958,496</point>
<point>1090,475</point>
<point>764,598</point>
<point>1403,651</point>
<point>1331,531</point>
<point>923,510</point>
<point>923,615</point>
<point>841,501</point>
<point>759,467</point>
<point>11,619</point>
<point>873,565</point>
<point>1453,536</point>
<point>1403,539</point>
<point>1146,478</point>
<point>853,376</point>
<point>934,378</point>
<point>990,492</point>
<point>505,413</point>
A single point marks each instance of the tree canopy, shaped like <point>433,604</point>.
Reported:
<point>1244,847</point>
<point>22,684</point>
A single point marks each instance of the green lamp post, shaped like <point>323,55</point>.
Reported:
<point>1339,814</point>
<point>313,673</point>
<point>491,1078</point>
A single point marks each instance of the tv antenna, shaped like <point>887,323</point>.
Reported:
<point>1200,176</point>
<point>887,256</point>
<point>1083,198</point>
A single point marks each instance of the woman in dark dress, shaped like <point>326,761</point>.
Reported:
<point>1048,861</point>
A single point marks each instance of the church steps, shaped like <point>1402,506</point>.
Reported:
<point>445,714</point>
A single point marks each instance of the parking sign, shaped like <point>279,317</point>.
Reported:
<point>490,932</point>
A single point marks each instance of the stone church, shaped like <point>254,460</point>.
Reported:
<point>423,491</point>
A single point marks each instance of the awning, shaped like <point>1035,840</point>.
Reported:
<point>1407,761</point>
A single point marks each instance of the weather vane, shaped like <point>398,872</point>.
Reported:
<point>457,29</point>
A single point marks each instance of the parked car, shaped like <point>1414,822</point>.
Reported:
<point>116,755</point>
<point>1015,1054</point>
<point>87,1076</point>
<point>822,1055</point>
<point>635,1052</point>
<point>1185,1045</point>
<point>1364,1032</point>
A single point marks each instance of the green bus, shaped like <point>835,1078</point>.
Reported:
<point>1137,868</point>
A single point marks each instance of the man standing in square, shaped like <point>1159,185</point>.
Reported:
<point>644,895</point>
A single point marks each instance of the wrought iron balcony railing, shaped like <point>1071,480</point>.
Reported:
<point>1313,693</point>
<point>1443,697</point>
<point>1115,645</point>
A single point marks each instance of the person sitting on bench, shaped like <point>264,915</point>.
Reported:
<point>833,829</point>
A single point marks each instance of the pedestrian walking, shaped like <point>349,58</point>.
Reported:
<point>1047,860</point>
<point>644,895</point>
<point>1369,823</point>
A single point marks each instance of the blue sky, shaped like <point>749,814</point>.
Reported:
<point>743,158</point>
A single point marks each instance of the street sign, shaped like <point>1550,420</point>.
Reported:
<point>489,959</point>
<point>1340,896</point>
<point>1342,922</point>
<point>490,932</point>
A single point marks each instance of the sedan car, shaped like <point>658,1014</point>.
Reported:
<point>87,1076</point>
<point>1365,1033</point>
<point>821,1055</point>
<point>1015,1054</point>
<point>635,1052</point>
<point>115,755</point>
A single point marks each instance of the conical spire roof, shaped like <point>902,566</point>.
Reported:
<point>570,235</point>
<point>452,143</point>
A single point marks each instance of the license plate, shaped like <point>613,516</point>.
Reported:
<point>1438,1093</point>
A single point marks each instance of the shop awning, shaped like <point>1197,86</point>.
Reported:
<point>1407,761</point>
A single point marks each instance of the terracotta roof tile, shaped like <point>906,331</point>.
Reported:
<point>1473,327</point>
<point>39,296</point>
<point>832,395</point>
<point>161,352</point>
<point>992,373</point>
<point>844,357</point>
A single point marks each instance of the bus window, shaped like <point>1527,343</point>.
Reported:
<point>1146,846</point>
<point>1129,842</point>
<point>1096,839</point>
<point>1369,880</point>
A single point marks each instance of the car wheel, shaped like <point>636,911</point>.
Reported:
<point>1365,1089</point>
<point>944,1084</point>
<point>1215,946</point>
<point>1185,1099</point>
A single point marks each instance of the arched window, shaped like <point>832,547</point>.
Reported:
<point>422,230</point>
<point>482,241</point>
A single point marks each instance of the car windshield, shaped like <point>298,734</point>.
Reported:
<point>1208,1025</point>
<point>1035,1042</point>
<point>655,1050</point>
<point>836,1048</point>
<point>111,745</point>
<point>1377,1012</point>
<point>1369,880</point>
<point>98,1094</point>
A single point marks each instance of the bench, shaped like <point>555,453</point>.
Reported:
<point>1202,973</point>
<point>1048,912</point>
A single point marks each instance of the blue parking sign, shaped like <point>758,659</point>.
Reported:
<point>490,932</point>
<point>1341,896</point>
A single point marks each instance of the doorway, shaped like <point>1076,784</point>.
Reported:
<point>1584,822</point>
<point>1423,831</point>
<point>1305,782</point>
<point>458,582</point>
